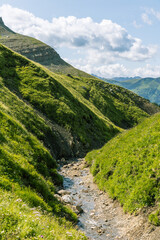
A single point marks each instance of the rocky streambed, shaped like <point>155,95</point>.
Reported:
<point>100,217</point>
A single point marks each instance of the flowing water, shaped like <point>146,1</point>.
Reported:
<point>92,221</point>
<point>101,218</point>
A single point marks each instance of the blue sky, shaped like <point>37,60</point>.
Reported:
<point>107,38</point>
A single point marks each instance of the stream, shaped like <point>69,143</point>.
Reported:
<point>99,217</point>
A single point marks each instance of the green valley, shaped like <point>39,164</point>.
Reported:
<point>54,112</point>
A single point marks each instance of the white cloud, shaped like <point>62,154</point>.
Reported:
<point>146,19</point>
<point>101,44</point>
<point>106,37</point>
<point>116,69</point>
<point>148,71</point>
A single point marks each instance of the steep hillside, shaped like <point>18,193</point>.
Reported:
<point>122,107</point>
<point>148,88</point>
<point>55,103</point>
<point>36,51</point>
<point>27,176</point>
<point>128,167</point>
<point>72,112</point>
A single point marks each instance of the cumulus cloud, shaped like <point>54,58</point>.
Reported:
<point>104,37</point>
<point>101,44</point>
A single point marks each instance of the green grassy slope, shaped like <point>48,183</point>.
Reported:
<point>148,88</point>
<point>72,110</point>
<point>120,106</point>
<point>50,97</point>
<point>27,177</point>
<point>128,167</point>
<point>42,115</point>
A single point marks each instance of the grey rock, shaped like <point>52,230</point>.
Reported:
<point>63,192</point>
<point>79,209</point>
<point>67,199</point>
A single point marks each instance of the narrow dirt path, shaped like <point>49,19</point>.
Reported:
<point>100,217</point>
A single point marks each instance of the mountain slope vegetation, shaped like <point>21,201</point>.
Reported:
<point>122,107</point>
<point>128,167</point>
<point>66,113</point>
<point>45,116</point>
<point>148,88</point>
<point>27,183</point>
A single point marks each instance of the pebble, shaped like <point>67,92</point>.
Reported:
<point>81,183</point>
<point>63,192</point>
<point>79,209</point>
<point>85,190</point>
<point>67,199</point>
<point>92,214</point>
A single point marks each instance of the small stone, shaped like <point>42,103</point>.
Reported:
<point>85,190</point>
<point>79,209</point>
<point>92,214</point>
<point>106,204</point>
<point>65,166</point>
<point>63,192</point>
<point>100,231</point>
<point>81,183</point>
<point>93,227</point>
<point>67,199</point>
<point>101,192</point>
<point>75,168</point>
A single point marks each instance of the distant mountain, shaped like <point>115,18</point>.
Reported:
<point>118,78</point>
<point>148,88</point>
<point>125,78</point>
<point>36,51</point>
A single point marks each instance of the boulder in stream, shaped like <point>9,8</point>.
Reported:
<point>67,199</point>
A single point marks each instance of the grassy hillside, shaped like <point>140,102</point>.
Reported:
<point>45,115</point>
<point>122,107</point>
<point>128,167</point>
<point>64,109</point>
<point>27,176</point>
<point>46,94</point>
<point>148,88</point>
